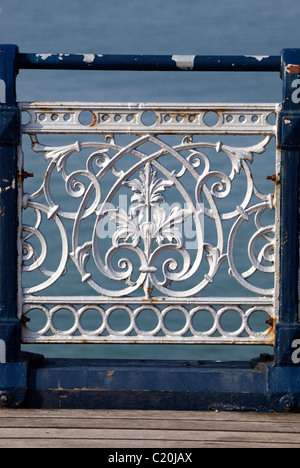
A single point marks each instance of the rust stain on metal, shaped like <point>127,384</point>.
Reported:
<point>94,119</point>
<point>291,69</point>
<point>110,373</point>
<point>25,319</point>
<point>152,299</point>
<point>271,330</point>
<point>46,175</point>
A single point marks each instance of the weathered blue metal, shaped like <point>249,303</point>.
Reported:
<point>288,329</point>
<point>13,372</point>
<point>149,62</point>
<point>10,134</point>
<point>143,385</point>
<point>263,384</point>
<point>283,387</point>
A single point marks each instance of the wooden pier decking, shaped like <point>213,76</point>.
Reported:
<point>26,428</point>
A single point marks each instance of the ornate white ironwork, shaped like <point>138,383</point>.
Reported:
<point>148,229</point>
<point>161,329</point>
<point>140,118</point>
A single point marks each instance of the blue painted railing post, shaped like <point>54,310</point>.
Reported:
<point>284,377</point>
<point>289,142</point>
<point>9,137</point>
<point>12,370</point>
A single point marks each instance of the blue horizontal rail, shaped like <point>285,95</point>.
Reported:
<point>149,62</point>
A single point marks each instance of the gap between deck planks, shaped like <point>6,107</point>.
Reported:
<point>23,428</point>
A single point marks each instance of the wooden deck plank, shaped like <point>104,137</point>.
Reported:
<point>151,424</point>
<point>146,429</point>
<point>117,445</point>
<point>148,415</point>
<point>142,434</point>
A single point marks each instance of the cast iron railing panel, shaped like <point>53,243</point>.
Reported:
<point>151,178</point>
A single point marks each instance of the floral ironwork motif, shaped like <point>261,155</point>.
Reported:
<point>147,220</point>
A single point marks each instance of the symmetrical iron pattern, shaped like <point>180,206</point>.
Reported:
<point>159,257</point>
<point>131,118</point>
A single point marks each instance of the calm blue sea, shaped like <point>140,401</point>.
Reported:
<point>204,27</point>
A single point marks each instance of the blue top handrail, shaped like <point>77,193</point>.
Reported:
<point>149,62</point>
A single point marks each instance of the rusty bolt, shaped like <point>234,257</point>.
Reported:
<point>272,177</point>
<point>4,399</point>
<point>26,174</point>
<point>25,319</point>
<point>288,402</point>
<point>270,322</point>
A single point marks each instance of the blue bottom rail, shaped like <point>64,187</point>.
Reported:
<point>153,385</point>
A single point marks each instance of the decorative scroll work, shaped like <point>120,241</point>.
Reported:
<point>147,230</point>
<point>147,218</point>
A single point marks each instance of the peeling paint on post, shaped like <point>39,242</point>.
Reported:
<point>13,371</point>
<point>288,329</point>
<point>2,352</point>
<point>2,92</point>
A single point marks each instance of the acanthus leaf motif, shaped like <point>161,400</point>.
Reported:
<point>149,187</point>
<point>148,219</point>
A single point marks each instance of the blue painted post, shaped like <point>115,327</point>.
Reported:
<point>288,330</point>
<point>9,137</point>
<point>283,378</point>
<point>12,370</point>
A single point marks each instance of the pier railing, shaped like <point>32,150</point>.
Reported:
<point>176,254</point>
<point>140,211</point>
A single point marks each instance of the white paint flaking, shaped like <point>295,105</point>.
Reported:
<point>2,352</point>
<point>99,55</point>
<point>184,62</point>
<point>44,56</point>
<point>2,91</point>
<point>258,57</point>
<point>12,186</point>
<point>88,58</point>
